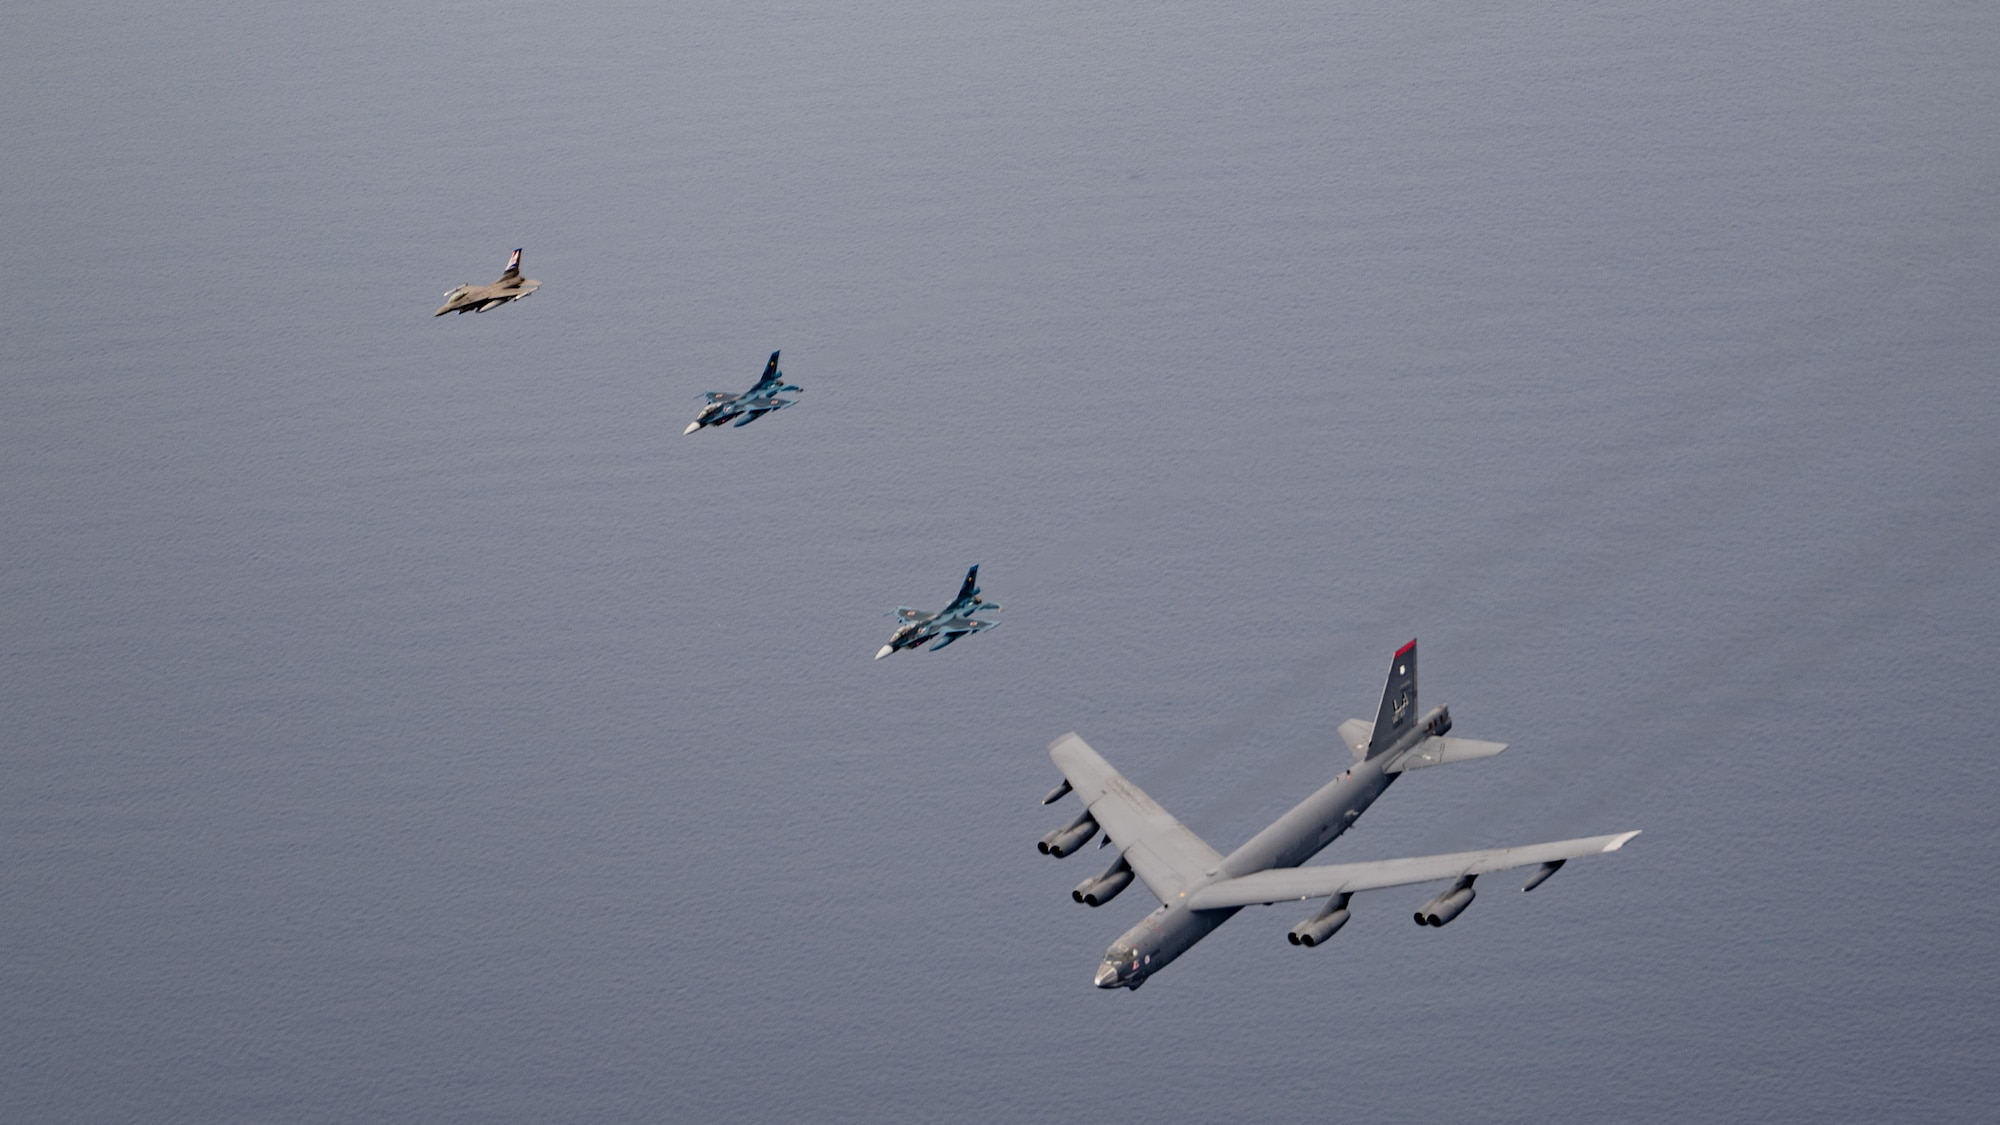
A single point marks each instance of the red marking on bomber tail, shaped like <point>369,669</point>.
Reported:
<point>1407,647</point>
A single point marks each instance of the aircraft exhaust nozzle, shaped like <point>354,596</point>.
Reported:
<point>1100,889</point>
<point>1542,874</point>
<point>1312,931</point>
<point>1323,925</point>
<point>1069,837</point>
<point>886,650</point>
<point>1448,905</point>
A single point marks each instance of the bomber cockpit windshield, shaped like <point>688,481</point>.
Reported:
<point>1119,968</point>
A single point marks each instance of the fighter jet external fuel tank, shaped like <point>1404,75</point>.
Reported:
<point>1200,888</point>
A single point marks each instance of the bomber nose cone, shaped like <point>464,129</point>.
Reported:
<point>692,427</point>
<point>886,650</point>
<point>1107,976</point>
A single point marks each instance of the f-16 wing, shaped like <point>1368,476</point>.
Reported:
<point>1286,883</point>
<point>757,408</point>
<point>1163,852</point>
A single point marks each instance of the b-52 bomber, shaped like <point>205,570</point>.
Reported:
<point>1200,889</point>
<point>478,298</point>
<point>749,406</point>
<point>946,625</point>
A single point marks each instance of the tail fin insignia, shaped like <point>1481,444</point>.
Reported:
<point>1398,712</point>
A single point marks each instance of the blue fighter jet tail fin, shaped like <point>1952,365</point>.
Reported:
<point>971,585</point>
<point>1398,712</point>
<point>771,374</point>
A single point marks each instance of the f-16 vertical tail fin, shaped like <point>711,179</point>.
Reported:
<point>513,265</point>
<point>1398,712</point>
<point>971,585</point>
<point>771,374</point>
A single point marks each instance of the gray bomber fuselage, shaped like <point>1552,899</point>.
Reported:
<point>1289,841</point>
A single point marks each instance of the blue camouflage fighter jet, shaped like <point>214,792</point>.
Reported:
<point>749,406</point>
<point>946,625</point>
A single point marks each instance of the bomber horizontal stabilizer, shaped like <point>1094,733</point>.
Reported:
<point>1439,750</point>
<point>1356,733</point>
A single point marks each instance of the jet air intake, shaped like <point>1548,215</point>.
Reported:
<point>1100,889</point>
<point>1070,837</point>
<point>1448,905</point>
<point>1321,926</point>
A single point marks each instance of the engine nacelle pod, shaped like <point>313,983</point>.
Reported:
<point>1543,872</point>
<point>1100,889</point>
<point>1448,905</point>
<point>1070,837</point>
<point>1321,926</point>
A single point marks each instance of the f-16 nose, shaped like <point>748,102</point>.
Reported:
<point>1107,976</point>
<point>886,650</point>
<point>692,427</point>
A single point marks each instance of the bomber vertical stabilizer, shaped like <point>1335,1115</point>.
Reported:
<point>1398,712</point>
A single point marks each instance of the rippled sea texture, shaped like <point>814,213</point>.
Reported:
<point>401,721</point>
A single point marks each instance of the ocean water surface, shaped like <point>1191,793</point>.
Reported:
<point>401,721</point>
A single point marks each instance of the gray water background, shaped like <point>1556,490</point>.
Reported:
<point>402,722</point>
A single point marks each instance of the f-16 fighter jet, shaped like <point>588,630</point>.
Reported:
<point>749,406</point>
<point>946,625</point>
<point>1200,888</point>
<point>511,287</point>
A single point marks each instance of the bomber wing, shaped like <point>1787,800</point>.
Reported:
<point>1163,852</point>
<point>1286,883</point>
